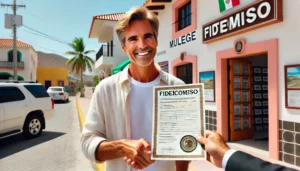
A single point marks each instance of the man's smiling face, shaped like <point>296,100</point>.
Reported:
<point>140,43</point>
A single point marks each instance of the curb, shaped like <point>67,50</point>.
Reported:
<point>98,167</point>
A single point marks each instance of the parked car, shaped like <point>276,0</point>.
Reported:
<point>24,108</point>
<point>58,93</point>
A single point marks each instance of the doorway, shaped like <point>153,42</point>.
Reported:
<point>47,84</point>
<point>248,103</point>
<point>185,73</point>
<point>61,83</point>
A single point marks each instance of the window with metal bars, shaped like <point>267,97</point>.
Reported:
<point>185,16</point>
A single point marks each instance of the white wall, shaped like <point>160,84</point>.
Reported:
<point>27,64</point>
<point>118,49</point>
<point>118,55</point>
<point>288,33</point>
<point>3,54</point>
<point>26,58</point>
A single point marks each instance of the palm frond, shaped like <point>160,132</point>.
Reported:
<point>78,66</point>
<point>89,59</point>
<point>71,61</point>
<point>83,65</point>
<point>73,66</point>
<point>71,53</point>
<point>89,65</point>
<point>79,44</point>
<point>80,62</point>
<point>88,52</point>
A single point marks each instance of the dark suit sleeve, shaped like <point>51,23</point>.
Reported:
<point>240,161</point>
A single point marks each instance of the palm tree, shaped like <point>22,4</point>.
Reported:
<point>80,61</point>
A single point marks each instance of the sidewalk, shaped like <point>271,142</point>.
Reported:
<point>82,107</point>
<point>194,166</point>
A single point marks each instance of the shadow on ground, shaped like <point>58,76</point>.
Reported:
<point>16,143</point>
<point>61,102</point>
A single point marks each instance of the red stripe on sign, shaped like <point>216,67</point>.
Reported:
<point>235,2</point>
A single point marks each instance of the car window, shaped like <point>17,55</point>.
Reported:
<point>38,91</point>
<point>55,89</point>
<point>10,94</point>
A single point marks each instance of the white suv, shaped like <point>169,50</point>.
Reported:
<point>24,107</point>
<point>58,93</point>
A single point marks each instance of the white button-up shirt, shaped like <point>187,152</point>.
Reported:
<point>108,117</point>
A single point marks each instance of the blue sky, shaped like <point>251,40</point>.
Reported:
<point>207,76</point>
<point>294,71</point>
<point>63,19</point>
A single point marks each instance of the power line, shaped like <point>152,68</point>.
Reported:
<point>48,36</point>
<point>49,49</point>
<point>27,11</point>
<point>42,46</point>
<point>54,38</point>
<point>45,37</point>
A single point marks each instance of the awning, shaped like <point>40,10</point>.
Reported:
<point>20,78</point>
<point>120,67</point>
<point>7,75</point>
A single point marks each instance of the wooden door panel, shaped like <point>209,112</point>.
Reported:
<point>240,102</point>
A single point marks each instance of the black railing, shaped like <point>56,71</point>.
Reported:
<point>99,53</point>
<point>6,64</point>
<point>105,50</point>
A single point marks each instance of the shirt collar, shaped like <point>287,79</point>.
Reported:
<point>124,76</point>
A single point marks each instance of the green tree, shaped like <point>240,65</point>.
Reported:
<point>96,80</point>
<point>80,61</point>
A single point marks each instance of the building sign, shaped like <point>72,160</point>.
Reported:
<point>258,14</point>
<point>183,39</point>
<point>164,66</point>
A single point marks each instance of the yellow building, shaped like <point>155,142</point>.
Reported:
<point>53,76</point>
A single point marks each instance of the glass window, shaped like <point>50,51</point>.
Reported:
<point>56,89</point>
<point>38,91</point>
<point>10,94</point>
<point>184,16</point>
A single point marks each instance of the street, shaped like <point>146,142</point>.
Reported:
<point>57,149</point>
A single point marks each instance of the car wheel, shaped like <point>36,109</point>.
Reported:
<point>32,127</point>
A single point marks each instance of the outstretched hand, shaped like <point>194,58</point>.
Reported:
<point>215,146</point>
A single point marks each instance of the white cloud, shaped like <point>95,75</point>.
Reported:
<point>293,70</point>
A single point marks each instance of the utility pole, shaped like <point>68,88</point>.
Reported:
<point>15,59</point>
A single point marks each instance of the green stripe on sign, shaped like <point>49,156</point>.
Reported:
<point>222,5</point>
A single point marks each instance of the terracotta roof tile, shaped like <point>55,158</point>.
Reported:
<point>9,43</point>
<point>110,17</point>
<point>107,17</point>
<point>145,3</point>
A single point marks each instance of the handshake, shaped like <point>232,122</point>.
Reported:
<point>138,152</point>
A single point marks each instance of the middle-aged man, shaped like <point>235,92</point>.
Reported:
<point>118,125</point>
<point>232,160</point>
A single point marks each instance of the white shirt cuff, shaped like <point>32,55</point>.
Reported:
<point>226,157</point>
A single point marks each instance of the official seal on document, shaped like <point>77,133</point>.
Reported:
<point>188,143</point>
